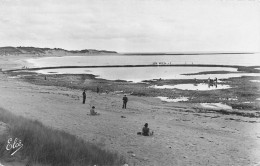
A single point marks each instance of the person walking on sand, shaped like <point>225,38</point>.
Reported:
<point>84,96</point>
<point>125,100</point>
<point>97,89</point>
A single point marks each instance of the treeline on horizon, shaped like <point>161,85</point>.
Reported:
<point>189,53</point>
<point>9,50</point>
<point>36,50</point>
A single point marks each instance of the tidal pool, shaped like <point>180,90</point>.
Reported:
<point>201,87</point>
<point>173,100</point>
<point>216,106</point>
<point>255,81</point>
<point>139,74</point>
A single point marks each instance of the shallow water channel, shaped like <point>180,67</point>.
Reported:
<point>201,87</point>
<point>173,100</point>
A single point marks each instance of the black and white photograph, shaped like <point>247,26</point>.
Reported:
<point>130,83</point>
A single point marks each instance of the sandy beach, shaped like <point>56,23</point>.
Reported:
<point>183,134</point>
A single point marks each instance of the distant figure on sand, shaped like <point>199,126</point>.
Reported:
<point>84,96</point>
<point>125,100</point>
<point>93,112</point>
<point>216,80</point>
<point>196,81</point>
<point>145,131</point>
<point>97,89</point>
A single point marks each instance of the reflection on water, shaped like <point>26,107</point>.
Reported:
<point>173,100</point>
<point>216,106</point>
<point>201,87</point>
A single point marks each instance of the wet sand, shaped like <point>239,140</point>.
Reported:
<point>184,135</point>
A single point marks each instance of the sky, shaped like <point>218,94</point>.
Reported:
<point>133,25</point>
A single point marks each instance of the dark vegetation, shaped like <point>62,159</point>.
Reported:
<point>47,146</point>
<point>239,96</point>
<point>42,51</point>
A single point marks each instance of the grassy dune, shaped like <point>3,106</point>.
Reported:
<point>47,146</point>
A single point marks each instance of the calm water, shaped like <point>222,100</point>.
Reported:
<point>139,74</point>
<point>173,100</point>
<point>216,106</point>
<point>258,81</point>
<point>200,87</point>
<point>219,59</point>
<point>146,73</point>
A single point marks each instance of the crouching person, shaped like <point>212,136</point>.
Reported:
<point>145,131</point>
<point>93,112</point>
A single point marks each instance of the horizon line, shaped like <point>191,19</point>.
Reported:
<point>150,52</point>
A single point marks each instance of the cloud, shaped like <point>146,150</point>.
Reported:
<point>126,25</point>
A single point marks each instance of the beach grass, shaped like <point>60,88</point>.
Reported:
<point>47,146</point>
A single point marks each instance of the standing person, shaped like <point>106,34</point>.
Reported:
<point>84,96</point>
<point>216,80</point>
<point>97,89</point>
<point>125,100</point>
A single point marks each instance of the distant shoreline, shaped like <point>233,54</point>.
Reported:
<point>159,53</point>
<point>250,69</point>
<point>109,66</point>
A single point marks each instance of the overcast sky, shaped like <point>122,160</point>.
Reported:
<point>132,25</point>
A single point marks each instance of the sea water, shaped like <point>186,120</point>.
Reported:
<point>138,74</point>
<point>117,59</point>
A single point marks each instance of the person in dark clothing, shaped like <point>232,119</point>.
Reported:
<point>125,100</point>
<point>84,96</point>
<point>216,80</point>
<point>97,89</point>
<point>145,131</point>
